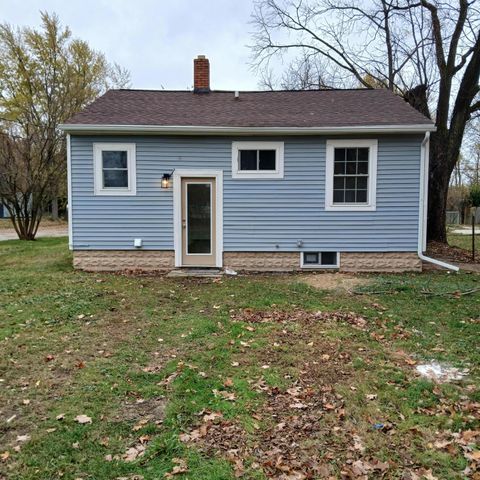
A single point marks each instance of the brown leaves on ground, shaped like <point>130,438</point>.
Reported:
<point>307,429</point>
<point>449,253</point>
<point>295,316</point>
<point>180,467</point>
<point>134,452</point>
<point>363,469</point>
<point>295,440</point>
<point>467,441</point>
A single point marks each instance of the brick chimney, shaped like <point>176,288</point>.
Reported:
<point>201,74</point>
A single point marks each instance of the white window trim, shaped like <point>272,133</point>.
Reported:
<point>318,266</point>
<point>371,204</point>
<point>98,148</point>
<point>258,174</point>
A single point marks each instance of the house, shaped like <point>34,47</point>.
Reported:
<point>259,181</point>
<point>3,211</point>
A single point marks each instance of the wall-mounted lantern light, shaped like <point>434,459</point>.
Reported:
<point>166,180</point>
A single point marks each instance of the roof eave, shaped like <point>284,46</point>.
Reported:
<point>218,130</point>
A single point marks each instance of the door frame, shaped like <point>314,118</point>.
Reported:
<point>177,210</point>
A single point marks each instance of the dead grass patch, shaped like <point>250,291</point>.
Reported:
<point>150,410</point>
<point>334,281</point>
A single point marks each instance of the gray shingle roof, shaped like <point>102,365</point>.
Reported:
<point>314,108</point>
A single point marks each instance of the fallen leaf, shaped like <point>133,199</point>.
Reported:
<point>358,444</point>
<point>298,405</point>
<point>441,444</point>
<point>23,438</point>
<point>230,396</point>
<point>475,455</point>
<point>4,456</point>
<point>212,416</point>
<point>140,424</point>
<point>180,467</point>
<point>82,419</point>
<point>134,452</point>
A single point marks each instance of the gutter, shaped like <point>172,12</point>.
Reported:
<point>219,130</point>
<point>422,209</point>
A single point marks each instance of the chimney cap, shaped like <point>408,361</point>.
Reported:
<point>201,57</point>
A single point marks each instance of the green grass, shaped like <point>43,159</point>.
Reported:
<point>76,343</point>
<point>465,241</point>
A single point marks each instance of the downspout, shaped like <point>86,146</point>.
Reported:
<point>422,208</point>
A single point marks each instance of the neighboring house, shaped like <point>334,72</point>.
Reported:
<point>271,180</point>
<point>3,211</point>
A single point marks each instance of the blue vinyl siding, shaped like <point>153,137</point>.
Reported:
<point>258,215</point>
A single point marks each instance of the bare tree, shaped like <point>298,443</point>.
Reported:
<point>426,51</point>
<point>45,77</point>
<point>303,73</point>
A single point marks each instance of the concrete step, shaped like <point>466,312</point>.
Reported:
<point>195,273</point>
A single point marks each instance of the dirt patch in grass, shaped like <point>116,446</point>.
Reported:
<point>143,410</point>
<point>334,281</point>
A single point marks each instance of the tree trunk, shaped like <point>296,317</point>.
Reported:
<point>438,182</point>
<point>55,209</point>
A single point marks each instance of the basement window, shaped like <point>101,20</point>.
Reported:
<point>257,160</point>
<point>319,259</point>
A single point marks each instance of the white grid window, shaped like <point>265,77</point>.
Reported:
<point>351,175</point>
<point>114,168</point>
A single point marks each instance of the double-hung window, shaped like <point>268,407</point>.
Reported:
<point>257,160</point>
<point>114,168</point>
<point>351,172</point>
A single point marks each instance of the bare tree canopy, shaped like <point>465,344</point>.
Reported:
<point>45,77</point>
<point>428,51</point>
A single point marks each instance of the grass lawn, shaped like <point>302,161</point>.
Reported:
<point>465,241</point>
<point>111,376</point>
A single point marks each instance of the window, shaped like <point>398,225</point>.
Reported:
<point>114,165</point>
<point>319,259</point>
<point>351,171</point>
<point>257,160</point>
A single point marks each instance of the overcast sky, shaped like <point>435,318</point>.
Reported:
<point>156,40</point>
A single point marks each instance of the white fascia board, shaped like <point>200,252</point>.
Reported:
<point>209,130</point>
